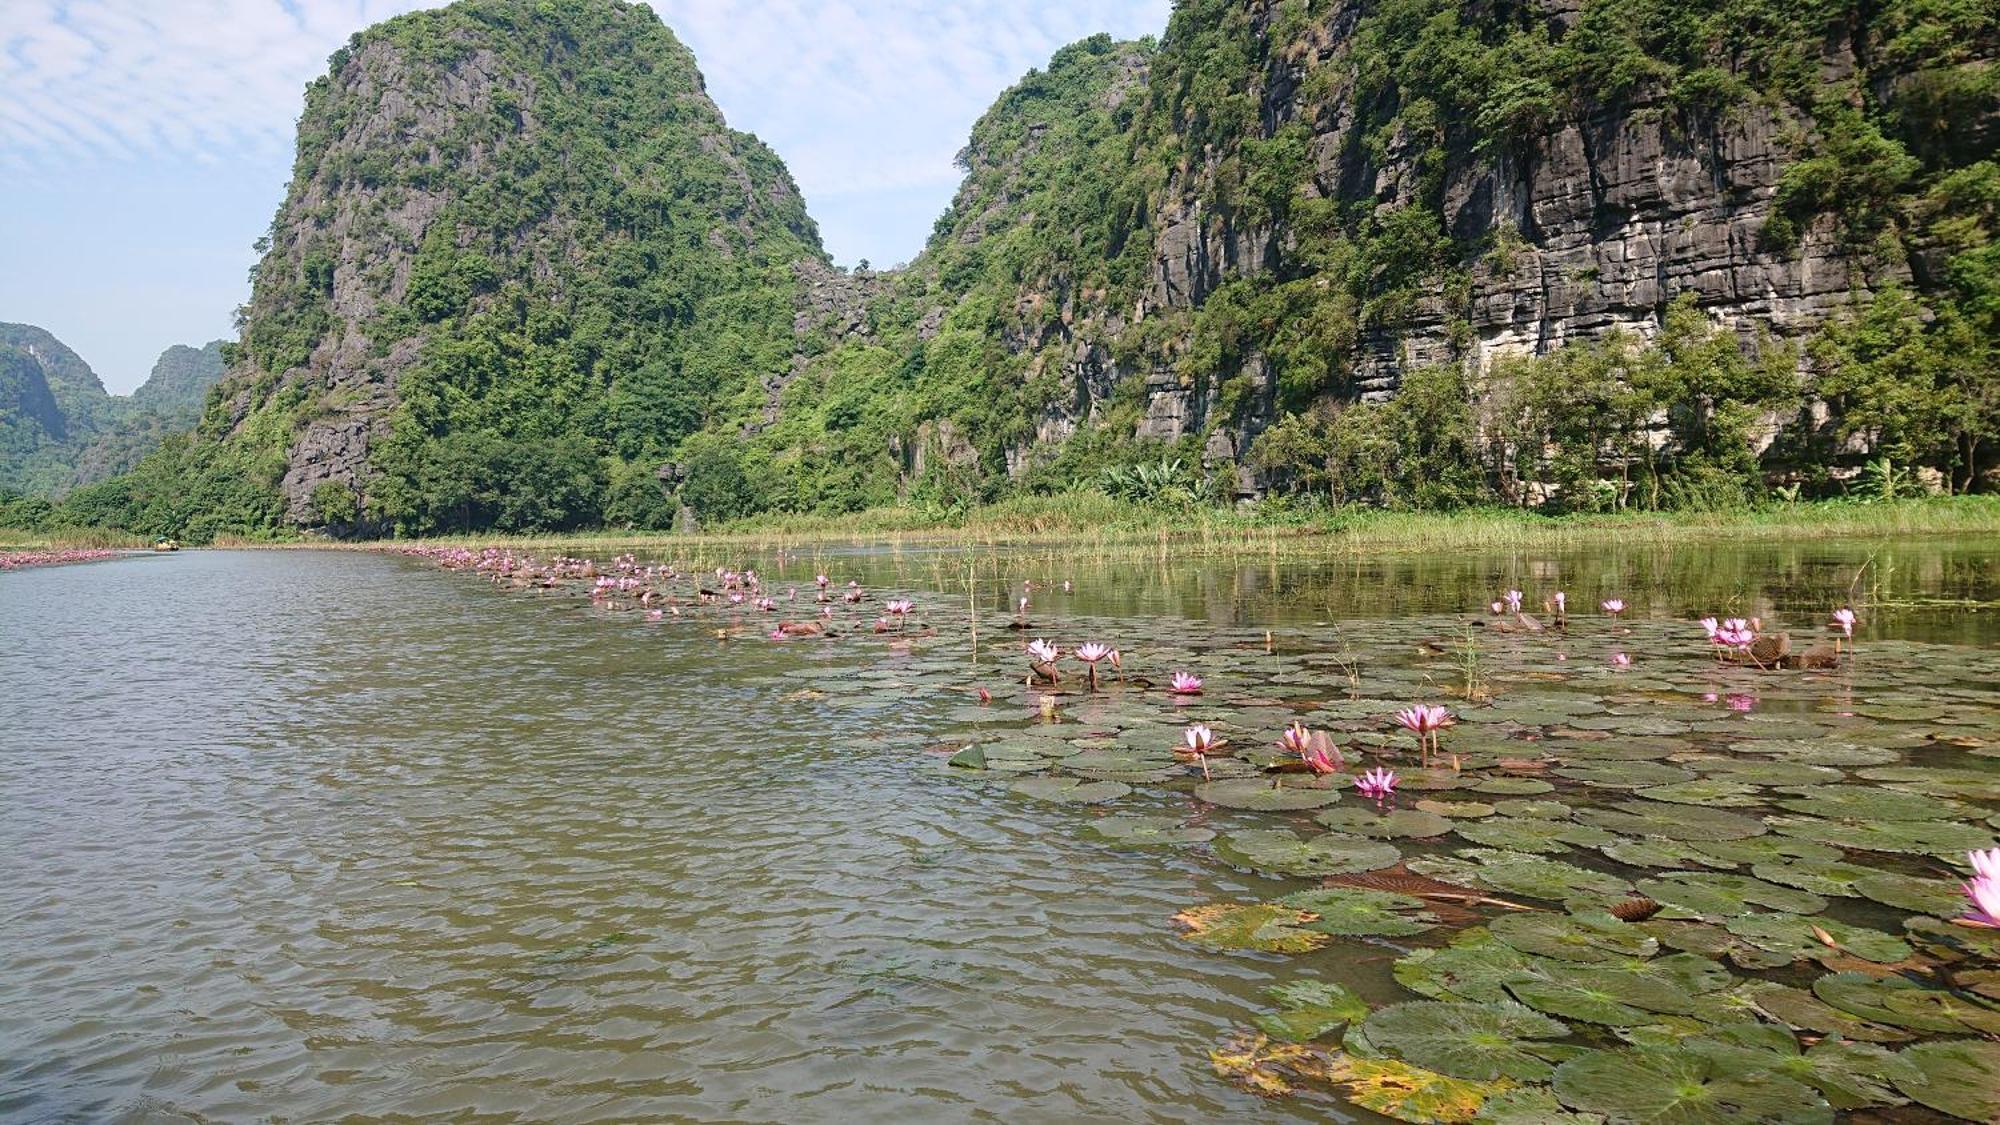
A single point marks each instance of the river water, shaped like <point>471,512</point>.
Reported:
<point>302,834</point>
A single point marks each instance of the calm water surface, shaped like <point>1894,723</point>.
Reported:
<point>309,834</point>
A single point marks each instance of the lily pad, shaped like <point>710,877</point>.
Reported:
<point>1942,838</point>
<point>1475,967</point>
<point>1794,937</point>
<point>1827,878</point>
<point>1281,852</point>
<point>1904,1003</point>
<point>1260,794</point>
<point>1149,830</point>
<point>1626,775</point>
<point>1795,1007</point>
<point>1545,810</point>
<point>1573,937</point>
<point>1513,786</point>
<point>1263,927</point>
<point>1068,790</point>
<point>1529,876</point>
<point>1715,896</point>
<point>1411,1093</point>
<point>1596,994</point>
<point>1937,897</point>
<point>1869,803</point>
<point>1529,834</point>
<point>1479,1041</point>
<point>1354,912</point>
<point>1849,1075</point>
<point>1678,1087</point>
<point>1310,1009</point>
<point>1658,853</point>
<point>1384,824</point>
<point>1703,791</point>
<point>1646,818</point>
<point>1954,1076</point>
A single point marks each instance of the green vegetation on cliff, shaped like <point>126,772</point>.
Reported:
<point>1340,253</point>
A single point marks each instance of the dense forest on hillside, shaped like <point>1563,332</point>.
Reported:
<point>1406,253</point>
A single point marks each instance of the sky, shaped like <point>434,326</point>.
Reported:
<point>145,144</point>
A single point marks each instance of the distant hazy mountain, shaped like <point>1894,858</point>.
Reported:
<point>60,428</point>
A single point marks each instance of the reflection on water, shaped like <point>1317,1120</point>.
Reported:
<point>310,834</point>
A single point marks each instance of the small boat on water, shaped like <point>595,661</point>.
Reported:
<point>166,545</point>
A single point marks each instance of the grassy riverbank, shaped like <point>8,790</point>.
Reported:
<point>1090,522</point>
<point>58,539</point>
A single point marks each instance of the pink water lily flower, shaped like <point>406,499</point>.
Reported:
<point>1613,606</point>
<point>820,581</point>
<point>1983,890</point>
<point>1043,651</point>
<point>1561,602</point>
<point>1090,653</point>
<point>1513,601</point>
<point>1496,608</point>
<point>1377,783</point>
<point>1425,721</point>
<point>1185,683</point>
<point>1198,740</point>
<point>1843,619</point>
<point>1321,757</point>
<point>1621,660</point>
<point>1295,739</point>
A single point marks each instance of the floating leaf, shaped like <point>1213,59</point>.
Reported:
<point>1479,1041</point>
<point>1513,786</point>
<point>1848,1075</point>
<point>1904,1003</point>
<point>1475,967</point>
<point>1149,830</point>
<point>1388,825</point>
<point>1530,834</point>
<point>1798,938</point>
<point>1410,1093</point>
<point>1943,838</point>
<point>1261,794</point>
<point>1263,927</point>
<point>1256,1064</point>
<point>1531,1105</point>
<point>1526,875</point>
<point>1457,810</point>
<point>1279,851</point>
<point>1716,895</point>
<point>1596,994</point>
<point>1545,810</point>
<point>1626,775</point>
<point>1954,1076</point>
<point>1645,818</point>
<point>1350,912</point>
<point>1681,1088</point>
<point>1068,790</point>
<point>1703,791</point>
<point>1869,803</point>
<point>1906,892</point>
<point>1309,1009</point>
<point>1795,1007</point>
<point>1658,853</point>
<point>1572,937</point>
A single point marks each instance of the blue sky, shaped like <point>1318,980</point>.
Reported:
<point>144,144</point>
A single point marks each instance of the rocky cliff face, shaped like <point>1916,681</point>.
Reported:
<point>1589,215</point>
<point>496,167</point>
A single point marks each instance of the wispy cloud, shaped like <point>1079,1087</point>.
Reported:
<point>151,139</point>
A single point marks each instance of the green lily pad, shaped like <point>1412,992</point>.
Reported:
<point>1626,775</point>
<point>1598,995</point>
<point>1068,790</point>
<point>1529,834</point>
<point>1714,896</point>
<point>1645,818</point>
<point>1456,810</point>
<point>1571,937</point>
<point>1149,830</point>
<point>1354,912</point>
<point>1848,1075</point>
<point>1658,853</point>
<point>1869,803</point>
<point>1280,852</point>
<point>1530,1105</point>
<point>1954,1076</point>
<point>1942,838</point>
<point>1478,1041</point>
<point>1529,876</point>
<point>1513,786</point>
<point>1544,810</point>
<point>1264,927</point>
<point>1677,1087</point>
<point>1793,936</point>
<point>1826,878</point>
<point>1937,897</point>
<point>1766,772</point>
<point>1410,1093</point>
<point>1795,1007</point>
<point>1387,824</point>
<point>1904,1003</point>
<point>1310,1009</point>
<point>1260,794</point>
<point>1703,791</point>
<point>1475,967</point>
<point>1766,849</point>
<point>1977,785</point>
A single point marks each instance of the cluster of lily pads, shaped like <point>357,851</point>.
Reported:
<point>1671,889</point>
